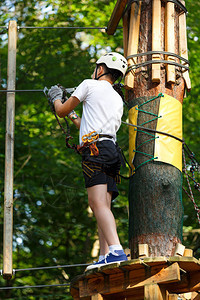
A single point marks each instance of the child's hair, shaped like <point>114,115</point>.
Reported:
<point>114,74</point>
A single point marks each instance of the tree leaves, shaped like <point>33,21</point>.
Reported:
<point>52,223</point>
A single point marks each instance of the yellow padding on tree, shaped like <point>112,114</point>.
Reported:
<point>133,115</point>
<point>168,149</point>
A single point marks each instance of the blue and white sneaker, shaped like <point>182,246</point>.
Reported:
<point>96,264</point>
<point>116,256</point>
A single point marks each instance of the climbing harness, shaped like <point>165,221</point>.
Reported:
<point>90,140</point>
<point>91,137</point>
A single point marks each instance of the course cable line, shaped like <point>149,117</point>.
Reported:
<point>34,286</point>
<point>61,27</point>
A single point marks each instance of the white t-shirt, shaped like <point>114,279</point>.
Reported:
<point>102,107</point>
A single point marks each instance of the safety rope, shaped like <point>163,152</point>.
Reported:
<point>190,194</point>
<point>68,137</point>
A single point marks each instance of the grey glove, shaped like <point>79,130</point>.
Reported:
<point>55,93</point>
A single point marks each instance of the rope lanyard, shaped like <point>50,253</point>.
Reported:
<point>190,194</point>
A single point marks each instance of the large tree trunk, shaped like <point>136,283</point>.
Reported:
<point>155,194</point>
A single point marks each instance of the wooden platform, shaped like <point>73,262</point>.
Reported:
<point>148,278</point>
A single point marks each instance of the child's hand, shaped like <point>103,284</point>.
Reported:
<point>55,93</point>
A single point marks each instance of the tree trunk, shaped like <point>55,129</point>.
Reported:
<point>155,191</point>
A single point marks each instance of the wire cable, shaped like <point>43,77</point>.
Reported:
<point>34,286</point>
<point>51,267</point>
<point>13,91</point>
<point>62,27</point>
<point>159,52</point>
<point>153,130</point>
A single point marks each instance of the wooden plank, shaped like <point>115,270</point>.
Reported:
<point>9,153</point>
<point>143,250</point>
<point>75,293</point>
<point>127,251</point>
<point>155,261</point>
<point>153,292</point>
<point>165,275</point>
<point>156,38</point>
<point>116,16</point>
<point>120,282</point>
<point>132,264</point>
<point>183,50</point>
<point>186,263</point>
<point>179,250</point>
<point>97,297</point>
<point>133,41</point>
<point>125,33</point>
<point>190,282</point>
<point>189,264</point>
<point>130,278</point>
<point>195,296</point>
<point>187,296</point>
<point>170,40</point>
<point>188,252</point>
<point>172,297</point>
<point>137,294</point>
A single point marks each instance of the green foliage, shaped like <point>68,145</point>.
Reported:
<point>52,224</point>
<point>191,114</point>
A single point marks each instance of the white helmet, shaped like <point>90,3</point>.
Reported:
<point>114,60</point>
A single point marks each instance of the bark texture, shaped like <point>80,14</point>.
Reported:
<point>155,193</point>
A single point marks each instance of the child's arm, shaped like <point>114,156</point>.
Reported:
<point>75,118</point>
<point>67,109</point>
<point>63,109</point>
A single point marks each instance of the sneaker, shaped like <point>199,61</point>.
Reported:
<point>116,256</point>
<point>96,264</point>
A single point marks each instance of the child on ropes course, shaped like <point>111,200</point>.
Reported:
<point>102,112</point>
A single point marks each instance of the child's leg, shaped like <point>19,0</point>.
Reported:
<point>98,201</point>
<point>103,244</point>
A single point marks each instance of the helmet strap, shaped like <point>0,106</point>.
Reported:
<point>95,77</point>
<point>101,75</point>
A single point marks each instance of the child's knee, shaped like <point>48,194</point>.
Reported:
<point>96,203</point>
